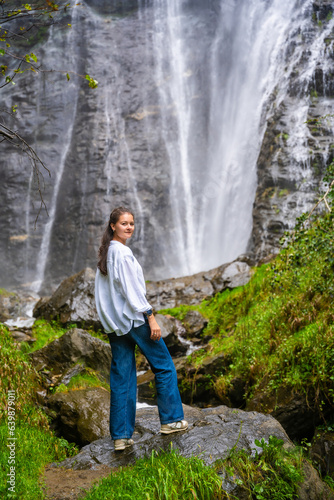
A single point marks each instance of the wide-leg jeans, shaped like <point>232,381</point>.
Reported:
<point>123,380</point>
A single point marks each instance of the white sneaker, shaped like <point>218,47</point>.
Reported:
<point>182,425</point>
<point>121,444</point>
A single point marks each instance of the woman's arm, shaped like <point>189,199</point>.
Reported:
<point>155,328</point>
<point>134,293</point>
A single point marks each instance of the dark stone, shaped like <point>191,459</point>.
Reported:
<point>236,393</point>
<point>231,276</point>
<point>322,8</point>
<point>22,337</point>
<point>212,433</point>
<point>170,334</point>
<point>80,416</point>
<point>195,383</point>
<point>74,347</point>
<point>322,452</point>
<point>296,411</point>
<point>72,302</point>
<point>313,488</point>
<point>194,323</point>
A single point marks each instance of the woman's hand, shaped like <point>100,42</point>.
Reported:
<point>155,328</point>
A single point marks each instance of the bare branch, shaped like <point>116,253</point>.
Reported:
<point>324,198</point>
<point>17,141</point>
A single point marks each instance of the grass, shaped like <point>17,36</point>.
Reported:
<point>23,425</point>
<point>45,332</point>
<point>161,476</point>
<point>16,374</point>
<point>271,473</point>
<point>34,448</point>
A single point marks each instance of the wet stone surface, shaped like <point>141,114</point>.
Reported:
<point>212,433</point>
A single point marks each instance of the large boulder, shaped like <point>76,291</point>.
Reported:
<point>80,416</point>
<point>212,433</point>
<point>194,323</point>
<point>173,292</point>
<point>75,347</point>
<point>72,302</point>
<point>297,411</point>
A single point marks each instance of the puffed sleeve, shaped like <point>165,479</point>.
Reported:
<point>132,284</point>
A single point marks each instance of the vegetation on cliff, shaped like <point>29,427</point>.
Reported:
<point>278,330</point>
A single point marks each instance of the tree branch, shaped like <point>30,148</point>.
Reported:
<point>18,142</point>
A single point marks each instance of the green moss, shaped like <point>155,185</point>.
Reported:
<point>180,311</point>
<point>45,332</point>
<point>82,381</point>
<point>6,293</point>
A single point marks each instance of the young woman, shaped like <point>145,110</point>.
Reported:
<point>128,319</point>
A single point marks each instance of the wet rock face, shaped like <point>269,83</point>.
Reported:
<point>322,8</point>
<point>109,144</point>
<point>290,167</point>
<point>80,416</point>
<point>212,432</point>
<point>112,7</point>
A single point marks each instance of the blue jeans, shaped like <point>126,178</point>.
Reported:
<point>123,380</point>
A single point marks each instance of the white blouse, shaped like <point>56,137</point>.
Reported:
<point>121,295</point>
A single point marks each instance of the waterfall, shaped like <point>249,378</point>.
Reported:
<point>212,196</point>
<point>177,130</point>
<point>64,138</point>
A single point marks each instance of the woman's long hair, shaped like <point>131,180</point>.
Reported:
<point>108,236</point>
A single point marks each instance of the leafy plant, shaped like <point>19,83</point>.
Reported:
<point>273,473</point>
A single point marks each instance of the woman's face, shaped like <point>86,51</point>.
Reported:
<point>124,227</point>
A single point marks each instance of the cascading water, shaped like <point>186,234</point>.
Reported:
<point>176,129</point>
<point>65,141</point>
<point>212,195</point>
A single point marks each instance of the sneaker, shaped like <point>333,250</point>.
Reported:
<point>174,427</point>
<point>121,444</point>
